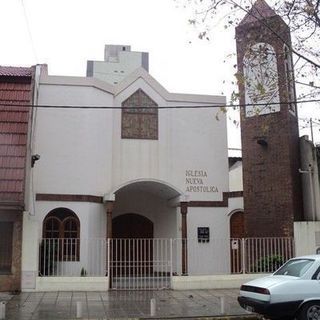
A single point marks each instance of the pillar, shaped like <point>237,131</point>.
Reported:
<point>184,211</point>
<point>109,205</point>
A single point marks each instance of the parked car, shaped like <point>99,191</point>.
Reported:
<point>293,291</point>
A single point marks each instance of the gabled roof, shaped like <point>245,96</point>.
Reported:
<point>139,73</point>
<point>260,10</point>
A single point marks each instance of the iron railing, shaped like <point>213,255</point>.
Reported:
<point>133,263</point>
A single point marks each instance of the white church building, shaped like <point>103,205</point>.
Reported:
<point>128,181</point>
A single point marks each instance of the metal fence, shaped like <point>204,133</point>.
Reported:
<point>151,263</point>
<point>73,257</point>
<point>265,254</point>
<point>140,263</point>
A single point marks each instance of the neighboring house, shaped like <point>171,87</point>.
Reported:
<point>307,232</point>
<point>15,112</point>
<point>310,179</point>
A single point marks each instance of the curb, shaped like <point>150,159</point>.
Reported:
<point>217,317</point>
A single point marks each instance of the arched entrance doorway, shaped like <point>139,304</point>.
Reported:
<point>237,233</point>
<point>132,246</point>
<point>144,219</point>
<point>132,226</point>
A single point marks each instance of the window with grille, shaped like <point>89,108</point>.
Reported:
<point>61,230</point>
<point>139,117</point>
<point>6,231</point>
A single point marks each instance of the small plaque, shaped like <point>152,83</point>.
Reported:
<point>203,234</point>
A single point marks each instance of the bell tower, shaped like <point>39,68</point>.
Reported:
<point>269,124</point>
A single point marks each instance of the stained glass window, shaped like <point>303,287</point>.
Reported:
<point>139,117</point>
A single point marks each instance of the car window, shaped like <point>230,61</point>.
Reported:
<point>316,275</point>
<point>295,268</point>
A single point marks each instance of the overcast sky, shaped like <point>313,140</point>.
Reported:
<point>66,33</point>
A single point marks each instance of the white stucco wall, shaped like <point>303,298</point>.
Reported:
<point>306,237</point>
<point>75,145</point>
<point>186,142</point>
<point>92,244</point>
<point>235,204</point>
<point>211,257</point>
<point>82,153</point>
<point>85,146</point>
<point>235,177</point>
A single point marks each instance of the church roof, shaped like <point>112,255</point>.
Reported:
<point>260,10</point>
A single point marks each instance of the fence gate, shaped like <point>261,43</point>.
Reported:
<point>140,264</point>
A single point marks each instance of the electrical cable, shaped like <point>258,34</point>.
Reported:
<point>29,32</point>
<point>208,106</point>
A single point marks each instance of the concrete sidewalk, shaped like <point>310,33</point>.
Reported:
<point>122,304</point>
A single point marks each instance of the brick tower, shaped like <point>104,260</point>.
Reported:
<point>269,124</point>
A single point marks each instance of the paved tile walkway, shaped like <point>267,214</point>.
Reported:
<point>121,304</point>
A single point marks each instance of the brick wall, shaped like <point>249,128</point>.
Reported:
<point>272,187</point>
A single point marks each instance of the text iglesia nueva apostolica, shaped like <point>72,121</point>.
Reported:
<point>196,182</point>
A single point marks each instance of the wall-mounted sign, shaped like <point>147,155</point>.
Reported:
<point>196,181</point>
<point>203,234</point>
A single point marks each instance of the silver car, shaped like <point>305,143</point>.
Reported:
<point>293,291</point>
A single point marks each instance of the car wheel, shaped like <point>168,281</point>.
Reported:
<point>310,311</point>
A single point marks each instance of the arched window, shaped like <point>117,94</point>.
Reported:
<point>261,80</point>
<point>139,117</point>
<point>237,227</point>
<point>61,229</point>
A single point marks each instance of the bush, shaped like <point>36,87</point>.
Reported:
<point>268,264</point>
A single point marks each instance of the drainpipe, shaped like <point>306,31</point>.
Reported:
<point>312,195</point>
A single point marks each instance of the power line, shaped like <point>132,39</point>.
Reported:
<point>29,32</point>
<point>209,106</point>
<point>308,84</point>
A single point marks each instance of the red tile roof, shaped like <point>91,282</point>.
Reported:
<point>14,117</point>
<point>15,71</point>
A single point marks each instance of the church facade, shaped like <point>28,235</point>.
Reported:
<point>125,160</point>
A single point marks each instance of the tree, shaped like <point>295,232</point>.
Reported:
<point>302,17</point>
